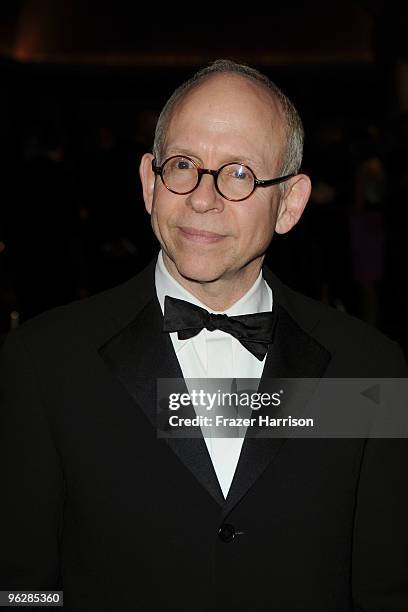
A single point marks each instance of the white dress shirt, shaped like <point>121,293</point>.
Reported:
<point>216,354</point>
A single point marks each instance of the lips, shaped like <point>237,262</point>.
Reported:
<point>192,231</point>
<point>197,235</point>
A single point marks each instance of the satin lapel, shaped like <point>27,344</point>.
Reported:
<point>294,353</point>
<point>140,354</point>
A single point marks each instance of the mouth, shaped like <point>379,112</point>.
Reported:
<point>201,236</point>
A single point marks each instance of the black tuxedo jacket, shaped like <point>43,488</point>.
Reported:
<point>92,502</point>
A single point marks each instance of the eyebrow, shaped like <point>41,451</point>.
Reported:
<point>245,160</point>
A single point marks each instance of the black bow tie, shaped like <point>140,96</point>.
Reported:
<point>254,331</point>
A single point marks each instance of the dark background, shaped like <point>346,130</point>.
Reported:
<point>82,84</point>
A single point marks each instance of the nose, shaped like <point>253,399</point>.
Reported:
<point>205,197</point>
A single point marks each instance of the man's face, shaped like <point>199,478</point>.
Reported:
<point>205,237</point>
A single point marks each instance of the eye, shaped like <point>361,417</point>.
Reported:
<point>183,164</point>
<point>238,172</point>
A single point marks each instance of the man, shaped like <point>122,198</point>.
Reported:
<point>95,503</point>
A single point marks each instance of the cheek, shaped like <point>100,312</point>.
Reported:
<point>162,211</point>
<point>256,223</point>
<point>165,216</point>
<point>157,220</point>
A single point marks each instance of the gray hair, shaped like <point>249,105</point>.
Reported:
<point>292,156</point>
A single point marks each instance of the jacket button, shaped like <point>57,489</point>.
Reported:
<point>226,532</point>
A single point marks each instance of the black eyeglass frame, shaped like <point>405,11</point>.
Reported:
<point>158,170</point>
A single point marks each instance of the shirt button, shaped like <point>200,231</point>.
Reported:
<point>226,532</point>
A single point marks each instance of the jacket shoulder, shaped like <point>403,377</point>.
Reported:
<point>354,345</point>
<point>93,319</point>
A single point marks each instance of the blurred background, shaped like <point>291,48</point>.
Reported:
<point>82,83</point>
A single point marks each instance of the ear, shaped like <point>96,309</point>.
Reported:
<point>147,177</point>
<point>293,202</point>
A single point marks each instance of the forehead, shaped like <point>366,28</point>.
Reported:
<point>227,114</point>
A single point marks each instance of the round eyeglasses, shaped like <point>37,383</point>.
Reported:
<point>234,181</point>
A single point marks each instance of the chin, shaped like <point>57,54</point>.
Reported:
<point>199,270</point>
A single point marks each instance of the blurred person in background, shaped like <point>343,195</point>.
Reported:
<point>368,234</point>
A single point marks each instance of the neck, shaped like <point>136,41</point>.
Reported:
<point>222,293</point>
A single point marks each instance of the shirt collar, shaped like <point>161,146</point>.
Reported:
<point>257,299</point>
